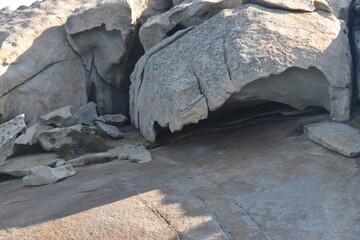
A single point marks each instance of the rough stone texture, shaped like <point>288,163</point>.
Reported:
<point>354,22</point>
<point>115,119</point>
<point>35,55</point>
<point>134,153</point>
<point>8,133</point>
<point>31,134</point>
<point>199,69</point>
<point>256,183</point>
<point>20,166</point>
<point>190,13</point>
<point>62,117</point>
<point>52,139</point>
<point>42,175</point>
<point>295,5</point>
<point>341,8</point>
<point>60,163</point>
<point>339,137</point>
<point>110,130</point>
<point>106,39</point>
<point>87,113</point>
<point>67,87</point>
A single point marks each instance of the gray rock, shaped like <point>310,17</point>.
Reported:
<point>341,8</point>
<point>191,13</point>
<point>106,39</point>
<point>112,131</point>
<point>87,113</point>
<point>20,166</point>
<point>115,119</point>
<point>52,139</point>
<point>31,134</point>
<point>338,137</point>
<point>62,117</point>
<point>95,158</point>
<point>134,153</point>
<point>8,133</point>
<point>42,175</point>
<point>35,57</point>
<point>60,163</point>
<point>227,60</point>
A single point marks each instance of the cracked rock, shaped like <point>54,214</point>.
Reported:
<point>8,133</point>
<point>241,55</point>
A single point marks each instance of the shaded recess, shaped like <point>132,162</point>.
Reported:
<point>264,99</point>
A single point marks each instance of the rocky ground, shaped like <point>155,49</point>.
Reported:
<point>266,181</point>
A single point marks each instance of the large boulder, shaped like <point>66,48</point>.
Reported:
<point>8,133</point>
<point>106,38</point>
<point>244,54</point>
<point>35,57</point>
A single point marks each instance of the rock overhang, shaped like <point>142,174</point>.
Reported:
<point>244,44</point>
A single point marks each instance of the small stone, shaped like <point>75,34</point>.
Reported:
<point>112,131</point>
<point>135,153</point>
<point>42,175</point>
<point>60,163</point>
<point>338,137</point>
<point>115,119</point>
<point>52,139</point>
<point>62,117</point>
<point>87,113</point>
<point>31,134</point>
<point>8,132</point>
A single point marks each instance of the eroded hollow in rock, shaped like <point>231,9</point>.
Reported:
<point>264,100</point>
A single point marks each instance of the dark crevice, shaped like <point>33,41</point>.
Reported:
<point>354,26</point>
<point>177,28</point>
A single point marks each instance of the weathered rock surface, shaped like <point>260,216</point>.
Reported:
<point>31,134</point>
<point>52,139</point>
<point>245,54</point>
<point>42,175</point>
<point>62,117</point>
<point>190,13</point>
<point>341,8</point>
<point>115,119</point>
<point>8,133</point>
<point>87,113</point>
<point>243,184</point>
<point>338,137</point>
<point>110,130</point>
<point>106,39</point>
<point>20,166</point>
<point>295,5</point>
<point>35,55</point>
<point>134,153</point>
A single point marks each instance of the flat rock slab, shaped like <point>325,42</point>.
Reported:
<point>339,137</point>
<point>20,166</point>
<point>249,184</point>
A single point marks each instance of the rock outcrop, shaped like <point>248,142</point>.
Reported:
<point>244,54</point>
<point>36,56</point>
<point>8,133</point>
<point>42,175</point>
<point>106,38</point>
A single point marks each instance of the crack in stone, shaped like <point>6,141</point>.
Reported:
<point>31,77</point>
<point>226,59</point>
<point>158,214</point>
